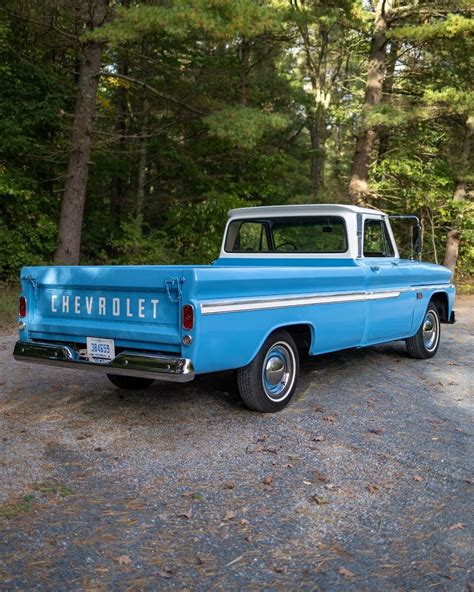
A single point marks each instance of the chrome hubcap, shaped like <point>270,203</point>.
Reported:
<point>430,331</point>
<point>278,372</point>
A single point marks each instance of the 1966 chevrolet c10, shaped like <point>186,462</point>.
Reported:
<point>312,278</point>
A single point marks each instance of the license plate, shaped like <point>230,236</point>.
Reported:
<point>100,350</point>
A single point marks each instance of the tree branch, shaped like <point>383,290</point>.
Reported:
<point>153,90</point>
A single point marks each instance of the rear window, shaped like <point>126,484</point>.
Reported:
<point>308,234</point>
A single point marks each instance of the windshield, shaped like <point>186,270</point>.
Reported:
<point>308,234</point>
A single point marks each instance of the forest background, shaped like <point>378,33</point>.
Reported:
<point>128,129</point>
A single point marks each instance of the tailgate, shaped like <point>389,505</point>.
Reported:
<point>137,306</point>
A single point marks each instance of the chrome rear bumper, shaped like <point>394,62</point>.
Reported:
<point>128,363</point>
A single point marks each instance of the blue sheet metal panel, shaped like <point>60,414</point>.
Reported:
<point>429,273</point>
<point>392,317</point>
<point>129,304</point>
<point>231,282</point>
<point>422,304</point>
<point>422,275</point>
<point>231,340</point>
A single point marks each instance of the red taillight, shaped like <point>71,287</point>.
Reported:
<point>22,307</point>
<point>188,317</point>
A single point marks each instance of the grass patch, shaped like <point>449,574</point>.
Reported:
<point>51,488</point>
<point>8,305</point>
<point>47,489</point>
<point>10,510</point>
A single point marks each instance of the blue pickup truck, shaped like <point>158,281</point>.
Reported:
<point>289,279</point>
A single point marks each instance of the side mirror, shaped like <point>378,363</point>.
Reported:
<point>417,241</point>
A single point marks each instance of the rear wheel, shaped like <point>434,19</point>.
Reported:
<point>268,383</point>
<point>424,344</point>
<point>132,383</point>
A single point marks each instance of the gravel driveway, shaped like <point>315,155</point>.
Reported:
<point>364,482</point>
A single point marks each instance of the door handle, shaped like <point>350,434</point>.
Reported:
<point>375,268</point>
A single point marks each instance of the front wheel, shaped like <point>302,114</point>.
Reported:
<point>268,383</point>
<point>132,383</point>
<point>424,344</point>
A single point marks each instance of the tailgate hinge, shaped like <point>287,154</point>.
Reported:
<point>174,284</point>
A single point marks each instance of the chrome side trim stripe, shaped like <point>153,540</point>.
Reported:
<point>432,287</point>
<point>236,305</point>
<point>269,302</point>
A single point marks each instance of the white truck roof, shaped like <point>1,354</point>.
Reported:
<point>345,211</point>
<point>305,209</point>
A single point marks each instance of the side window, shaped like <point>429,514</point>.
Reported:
<point>376,239</point>
<point>251,237</point>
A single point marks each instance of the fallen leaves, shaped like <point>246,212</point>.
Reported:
<point>457,526</point>
<point>330,418</point>
<point>318,476</point>
<point>268,482</point>
<point>260,448</point>
<point>84,436</point>
<point>123,560</point>
<point>346,573</point>
<point>184,514</point>
<point>229,515</point>
<point>318,500</point>
<point>166,572</point>
<point>373,488</point>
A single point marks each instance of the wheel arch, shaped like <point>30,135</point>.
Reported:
<point>441,301</point>
<point>303,333</point>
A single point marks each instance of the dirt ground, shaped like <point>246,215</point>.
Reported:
<point>364,482</point>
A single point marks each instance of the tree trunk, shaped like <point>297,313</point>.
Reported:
<point>117,182</point>
<point>72,206</point>
<point>142,165</point>
<point>244,51</point>
<point>358,185</point>
<point>317,133</point>
<point>454,235</point>
<point>387,90</point>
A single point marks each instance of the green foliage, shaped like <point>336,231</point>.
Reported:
<point>244,127</point>
<point>209,105</point>
<point>135,246</point>
<point>410,182</point>
<point>201,225</point>
<point>27,231</point>
<point>455,25</point>
<point>219,19</point>
<point>451,100</point>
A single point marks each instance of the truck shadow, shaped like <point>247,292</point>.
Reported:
<point>221,387</point>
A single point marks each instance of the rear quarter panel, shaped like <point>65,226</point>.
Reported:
<point>232,339</point>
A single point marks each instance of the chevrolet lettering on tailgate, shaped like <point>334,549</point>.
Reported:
<point>289,279</point>
<point>100,305</point>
